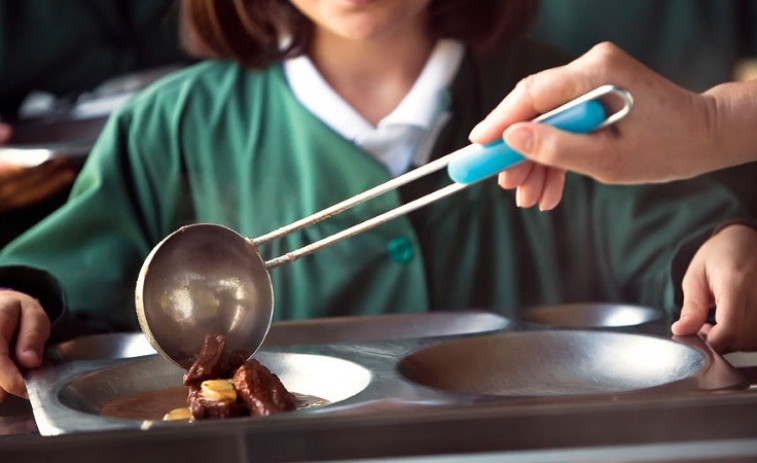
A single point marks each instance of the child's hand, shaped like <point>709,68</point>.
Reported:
<point>24,329</point>
<point>723,274</point>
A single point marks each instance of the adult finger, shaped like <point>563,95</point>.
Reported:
<point>586,154</point>
<point>553,189</point>
<point>515,176</point>
<point>529,193</point>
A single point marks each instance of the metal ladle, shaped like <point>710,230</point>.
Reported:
<point>207,278</point>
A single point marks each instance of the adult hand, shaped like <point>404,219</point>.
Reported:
<point>23,186</point>
<point>24,329</point>
<point>723,274</point>
<point>670,134</point>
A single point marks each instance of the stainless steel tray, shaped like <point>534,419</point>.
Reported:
<point>72,396</point>
<point>85,373</point>
<point>367,379</point>
<point>383,327</point>
<point>617,317</point>
<point>565,363</point>
<point>353,329</point>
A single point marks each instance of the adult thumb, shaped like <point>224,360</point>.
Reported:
<point>553,147</point>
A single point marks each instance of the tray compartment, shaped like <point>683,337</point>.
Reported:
<point>329,378</point>
<point>558,363</point>
<point>605,316</point>
<point>353,329</point>
<point>370,328</point>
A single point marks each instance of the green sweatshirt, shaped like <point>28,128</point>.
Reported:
<point>218,143</point>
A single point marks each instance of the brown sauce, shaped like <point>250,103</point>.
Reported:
<point>153,405</point>
<point>150,405</point>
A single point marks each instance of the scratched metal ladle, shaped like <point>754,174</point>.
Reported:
<point>206,278</point>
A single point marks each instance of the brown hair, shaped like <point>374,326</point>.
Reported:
<point>249,31</point>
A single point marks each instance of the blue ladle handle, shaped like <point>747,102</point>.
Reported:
<point>481,161</point>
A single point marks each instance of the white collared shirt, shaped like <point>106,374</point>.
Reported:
<point>407,134</point>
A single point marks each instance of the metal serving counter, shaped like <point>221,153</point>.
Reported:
<point>447,387</point>
<point>668,426</point>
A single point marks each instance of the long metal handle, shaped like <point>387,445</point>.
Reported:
<point>365,225</point>
<point>415,174</point>
<point>378,190</point>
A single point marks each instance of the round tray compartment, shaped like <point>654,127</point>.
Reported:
<point>110,346</point>
<point>621,317</point>
<point>329,378</point>
<point>552,363</point>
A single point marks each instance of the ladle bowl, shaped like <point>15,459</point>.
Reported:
<point>203,279</point>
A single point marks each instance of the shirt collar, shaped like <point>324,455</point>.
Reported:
<point>420,107</point>
<point>426,98</point>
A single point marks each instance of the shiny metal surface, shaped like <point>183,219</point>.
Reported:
<point>358,329</point>
<point>101,347</point>
<point>326,377</point>
<point>369,380</point>
<point>596,315</point>
<point>16,414</point>
<point>555,363</point>
<point>70,397</point>
<point>715,428</point>
<point>354,329</point>
<point>392,417</point>
<point>203,279</point>
<point>89,366</point>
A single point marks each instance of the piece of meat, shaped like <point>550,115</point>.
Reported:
<point>202,408</point>
<point>261,390</point>
<point>258,391</point>
<point>213,362</point>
